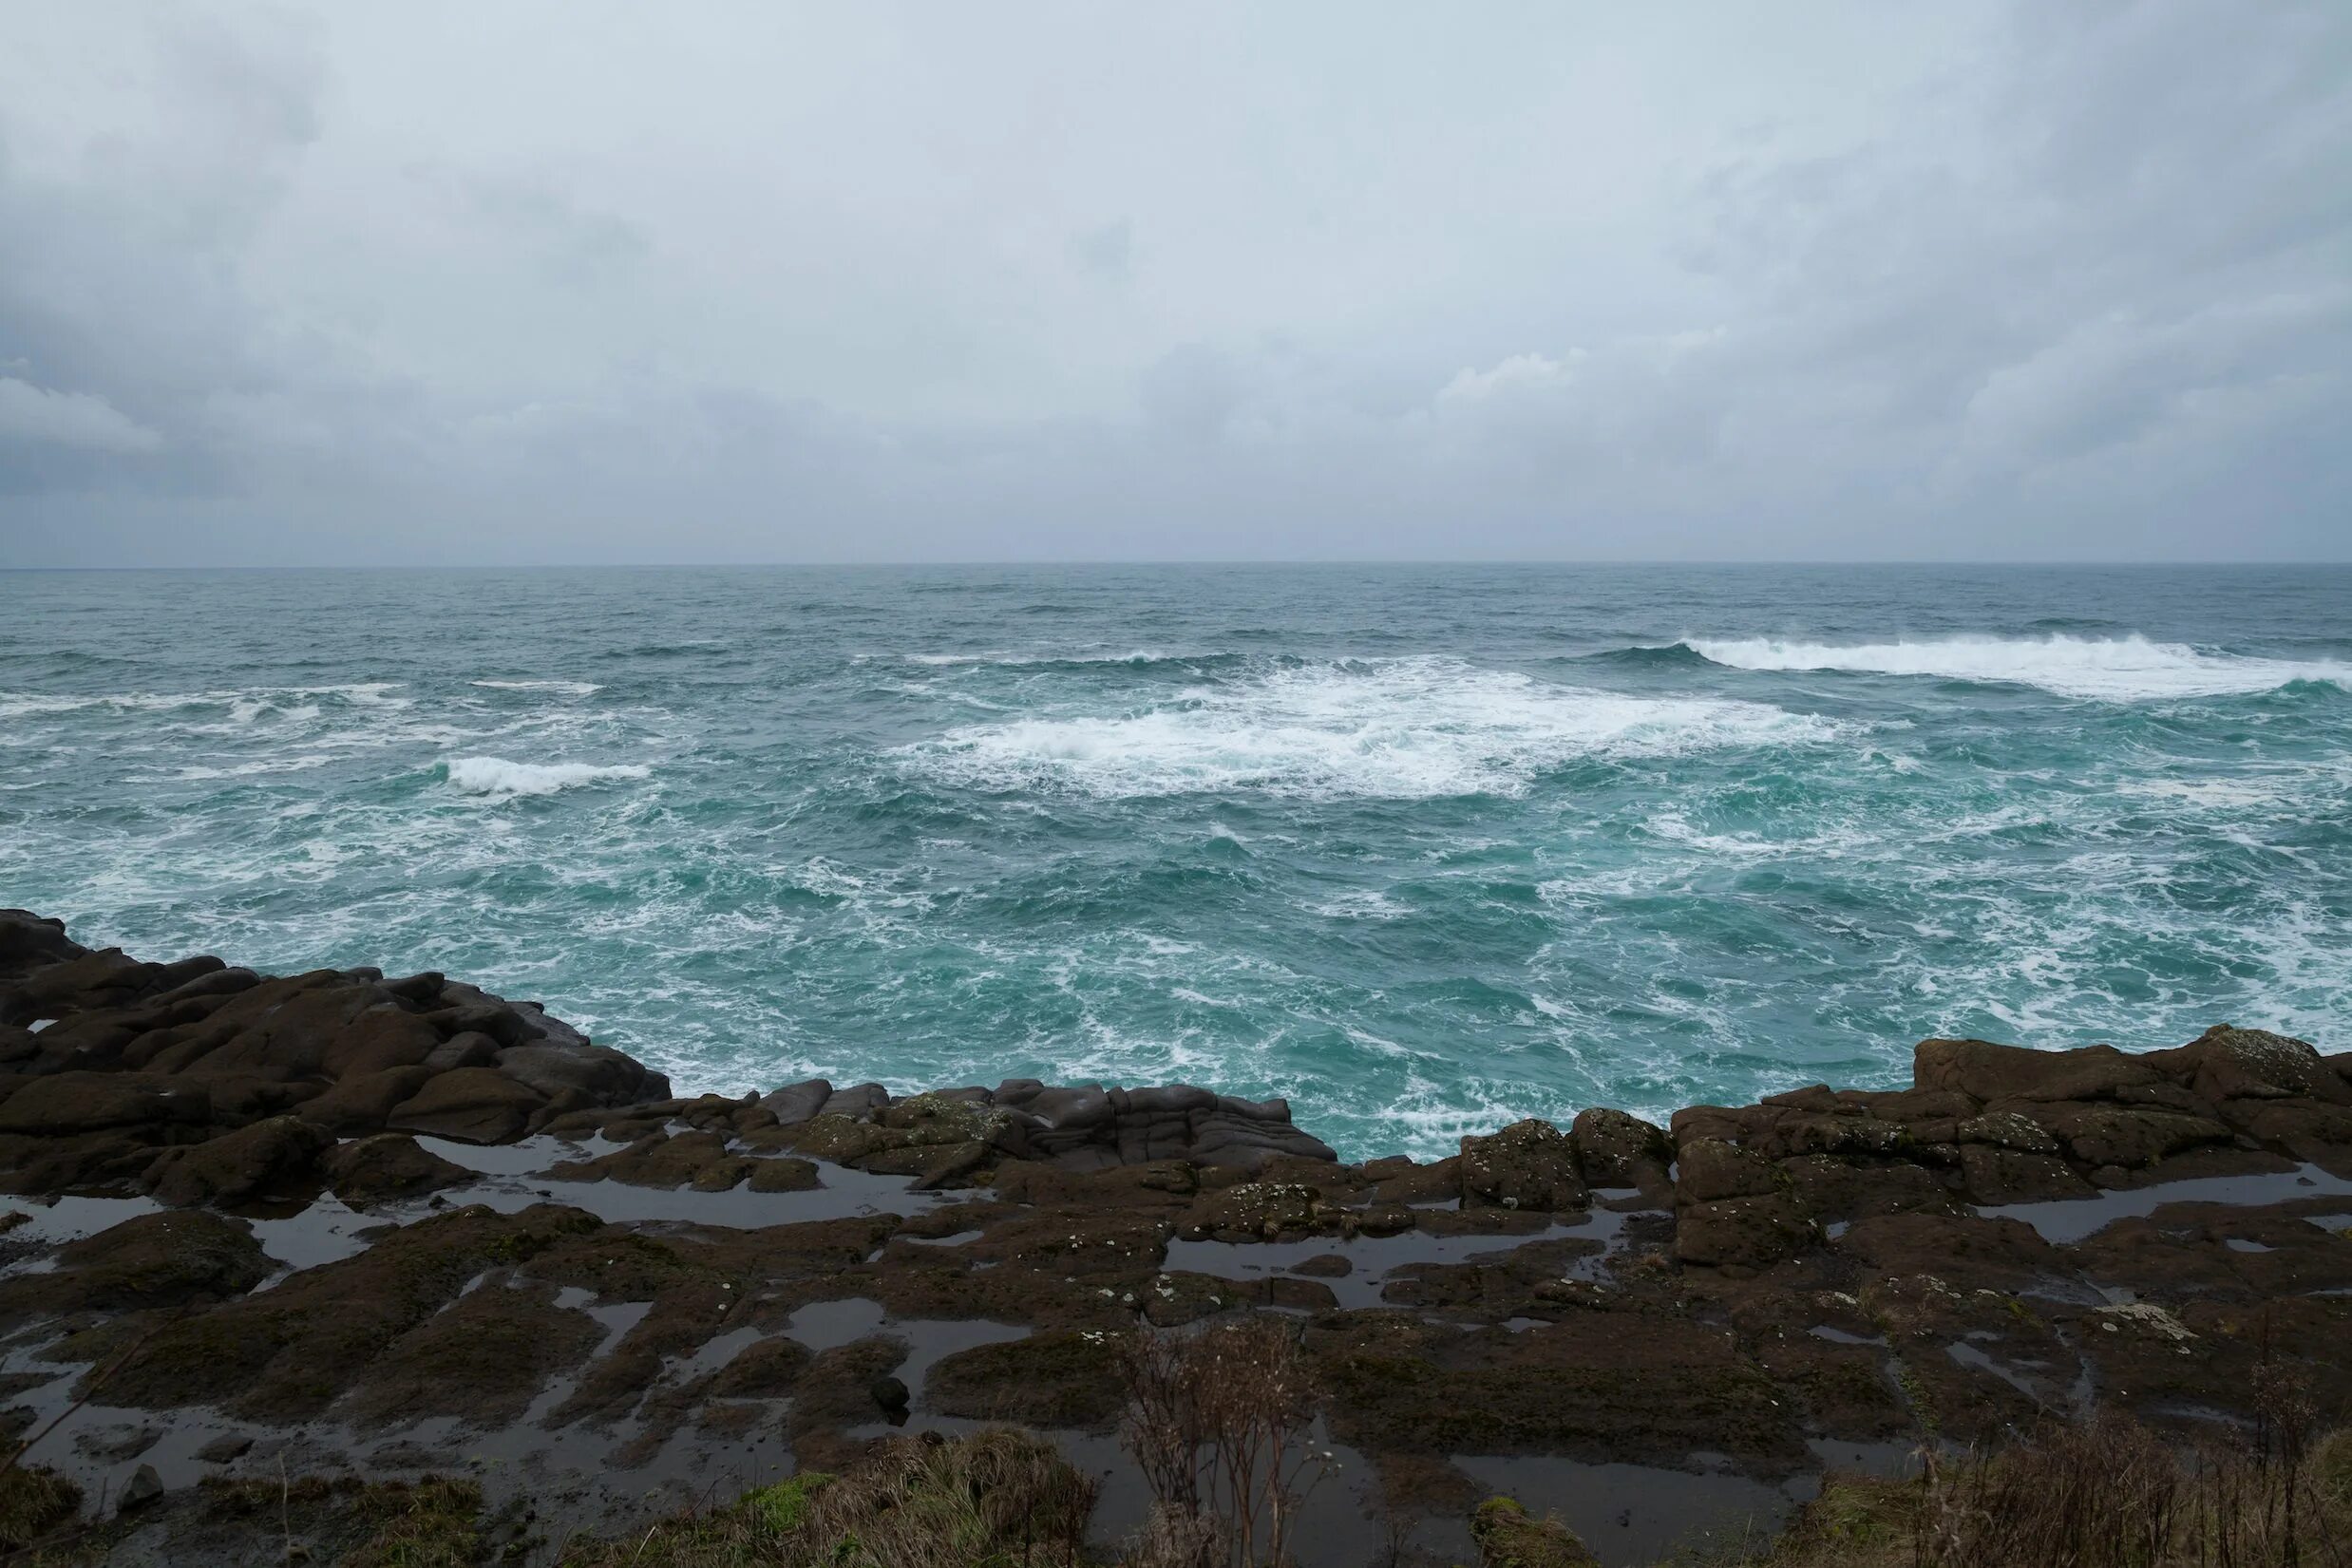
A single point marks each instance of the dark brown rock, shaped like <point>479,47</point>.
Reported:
<point>387,1167</point>
<point>470,1105</point>
<point>1615,1149</point>
<point>237,1165</point>
<point>1529,1164</point>
<point>70,1102</point>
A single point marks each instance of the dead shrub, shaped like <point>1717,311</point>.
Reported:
<point>1219,1423</point>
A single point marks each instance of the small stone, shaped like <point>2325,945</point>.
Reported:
<point>144,1487</point>
<point>228,1445</point>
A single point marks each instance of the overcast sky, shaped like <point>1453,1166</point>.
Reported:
<point>548,280</point>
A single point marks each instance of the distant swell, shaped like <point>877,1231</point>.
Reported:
<point>1404,728</point>
<point>497,776</point>
<point>2106,669</point>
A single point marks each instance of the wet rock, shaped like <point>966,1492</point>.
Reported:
<point>237,1165</point>
<point>1996,1175</point>
<point>152,1260</point>
<point>1259,1211</point>
<point>470,1105</point>
<point>1999,1254</point>
<point>288,1352</point>
<point>1061,1380</point>
<point>784,1174</point>
<point>765,1368</point>
<point>1748,1233</point>
<point>387,1167</point>
<point>482,1359</point>
<point>699,1159</point>
<point>837,1389</point>
<point>1529,1164</point>
<point>118,1443</point>
<point>225,1448</point>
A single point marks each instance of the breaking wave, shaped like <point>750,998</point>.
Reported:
<point>496,776</point>
<point>2104,668</point>
<point>1407,729</point>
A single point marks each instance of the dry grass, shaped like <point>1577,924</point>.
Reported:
<point>998,1498</point>
<point>2108,1494</point>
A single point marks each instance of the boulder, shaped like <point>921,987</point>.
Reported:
<point>1987,1071</point>
<point>598,1075</point>
<point>2227,1062</point>
<point>1616,1149</point>
<point>363,1101</point>
<point>67,1103</point>
<point>237,1165</point>
<point>796,1102</point>
<point>1529,1164</point>
<point>1708,1170</point>
<point>389,1165</point>
<point>466,1049</point>
<point>29,942</point>
<point>470,1105</point>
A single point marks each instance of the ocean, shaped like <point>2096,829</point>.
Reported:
<point>1424,849</point>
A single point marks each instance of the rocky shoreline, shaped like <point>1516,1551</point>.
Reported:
<point>337,1224</point>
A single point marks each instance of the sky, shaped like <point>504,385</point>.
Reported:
<point>734,280</point>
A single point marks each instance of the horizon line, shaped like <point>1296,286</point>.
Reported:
<point>2281,562</point>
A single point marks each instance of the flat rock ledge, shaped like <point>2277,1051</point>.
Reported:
<point>258,1219</point>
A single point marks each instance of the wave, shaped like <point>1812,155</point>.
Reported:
<point>2129,669</point>
<point>243,707</point>
<point>570,689</point>
<point>1139,659</point>
<point>1673,655</point>
<point>1404,728</point>
<point>496,776</point>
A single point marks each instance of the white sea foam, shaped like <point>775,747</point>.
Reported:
<point>496,776</point>
<point>2108,669</point>
<point>1139,656</point>
<point>243,707</point>
<point>1404,728</point>
<point>569,688</point>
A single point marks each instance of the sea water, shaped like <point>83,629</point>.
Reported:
<point>1423,849</point>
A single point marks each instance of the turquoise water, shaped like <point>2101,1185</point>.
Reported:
<point>1422,849</point>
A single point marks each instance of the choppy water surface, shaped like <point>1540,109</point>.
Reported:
<point>1420,848</point>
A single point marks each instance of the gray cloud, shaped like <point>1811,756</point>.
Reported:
<point>741,282</point>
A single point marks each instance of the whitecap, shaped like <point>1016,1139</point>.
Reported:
<point>1402,728</point>
<point>2129,669</point>
<point>569,688</point>
<point>497,777</point>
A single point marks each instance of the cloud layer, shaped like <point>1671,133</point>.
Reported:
<point>730,281</point>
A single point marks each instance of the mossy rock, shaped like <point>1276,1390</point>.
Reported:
<point>1059,1380</point>
<point>1509,1537</point>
